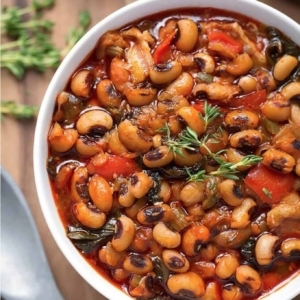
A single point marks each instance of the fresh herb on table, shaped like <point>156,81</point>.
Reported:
<point>32,46</point>
<point>19,111</point>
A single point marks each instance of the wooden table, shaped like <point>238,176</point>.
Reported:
<point>17,136</point>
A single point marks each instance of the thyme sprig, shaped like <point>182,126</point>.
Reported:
<point>173,144</point>
<point>19,111</point>
<point>210,113</point>
<point>188,139</point>
<point>229,170</point>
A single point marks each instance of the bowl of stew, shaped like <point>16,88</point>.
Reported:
<point>167,152</point>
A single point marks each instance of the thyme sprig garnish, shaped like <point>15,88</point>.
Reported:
<point>173,144</point>
<point>188,139</point>
<point>229,170</point>
<point>210,113</point>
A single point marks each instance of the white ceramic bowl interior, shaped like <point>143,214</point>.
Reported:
<point>125,15</point>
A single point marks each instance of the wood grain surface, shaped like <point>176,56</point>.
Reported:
<point>17,136</point>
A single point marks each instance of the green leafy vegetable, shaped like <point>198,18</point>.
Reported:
<point>87,240</point>
<point>19,111</point>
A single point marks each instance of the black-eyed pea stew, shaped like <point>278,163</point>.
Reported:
<point>174,157</point>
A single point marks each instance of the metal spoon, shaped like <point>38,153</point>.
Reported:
<point>25,272</point>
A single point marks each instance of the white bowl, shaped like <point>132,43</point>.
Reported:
<point>125,15</point>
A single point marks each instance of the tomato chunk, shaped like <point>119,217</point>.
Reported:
<point>161,52</point>
<point>226,40</point>
<point>250,101</point>
<point>269,185</point>
<point>113,166</point>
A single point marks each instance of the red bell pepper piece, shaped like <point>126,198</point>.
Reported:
<point>227,40</point>
<point>161,52</point>
<point>250,101</point>
<point>269,185</point>
<point>112,166</point>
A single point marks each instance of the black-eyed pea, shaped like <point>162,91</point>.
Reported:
<point>100,193</point>
<point>165,73</point>
<point>215,143</point>
<point>124,233</point>
<point>192,193</point>
<point>241,119</point>
<point>209,252</point>
<point>240,217</point>
<point>158,157</point>
<point>195,210</point>
<point>235,156</point>
<point>264,248</point>
<point>205,61</point>
<point>187,35</point>
<point>142,240</point>
<point>140,97</point>
<point>102,255</point>
<point>290,247</point>
<point>79,185</point>
<point>94,122</point>
<point>165,191</point>
<point>231,192</point>
<point>61,139</point>
<point>265,80</point>
<point>175,261</point>
<point>81,83</point>
<point>133,138</point>
<point>192,118</point>
<point>153,214</point>
<point>133,210</point>
<point>113,257</point>
<point>216,91</point>
<point>65,174</point>
<point>166,236</point>
<point>125,197</point>
<point>182,86</point>
<point>240,65</point>
<point>248,84</point>
<point>115,146</point>
<point>144,289</point>
<point>277,108</point>
<point>188,284</point>
<point>157,140</point>
<point>297,168</point>
<point>138,264</point>
<point>193,239</point>
<point>226,265</point>
<point>206,269</point>
<point>140,184</point>
<point>232,292</point>
<point>248,278</point>
<point>284,66</point>
<point>187,158</point>
<point>279,161</point>
<point>212,291</point>
<point>295,113</point>
<point>120,275</point>
<point>88,215</point>
<point>89,146</point>
<point>246,139</point>
<point>107,94</point>
<point>291,90</point>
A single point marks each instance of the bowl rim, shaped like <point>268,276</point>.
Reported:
<point>78,53</point>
